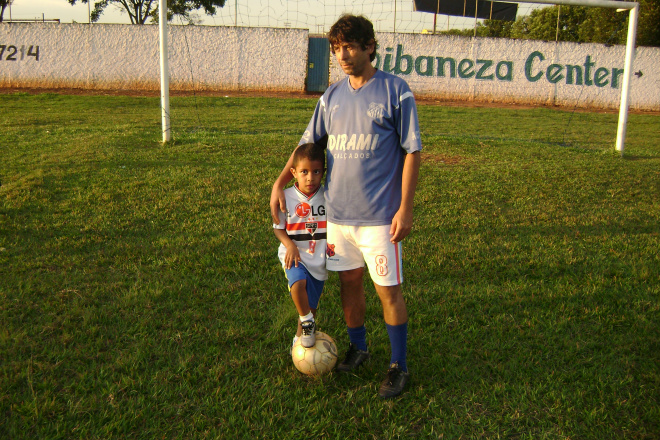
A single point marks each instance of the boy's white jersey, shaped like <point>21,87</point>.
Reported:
<point>368,131</point>
<point>305,223</point>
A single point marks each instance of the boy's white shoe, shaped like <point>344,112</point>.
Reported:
<point>308,338</point>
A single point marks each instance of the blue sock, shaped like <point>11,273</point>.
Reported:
<point>358,337</point>
<point>398,342</point>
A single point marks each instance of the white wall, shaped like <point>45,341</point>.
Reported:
<point>127,57</point>
<point>259,59</point>
<point>503,70</point>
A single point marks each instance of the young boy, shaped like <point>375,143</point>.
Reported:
<point>302,234</point>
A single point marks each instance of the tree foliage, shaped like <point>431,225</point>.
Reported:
<point>579,24</point>
<point>576,23</point>
<point>139,11</point>
<point>648,26</point>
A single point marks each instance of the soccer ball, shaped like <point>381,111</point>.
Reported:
<point>316,360</point>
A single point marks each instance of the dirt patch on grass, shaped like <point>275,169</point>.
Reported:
<point>441,159</point>
<point>421,100</point>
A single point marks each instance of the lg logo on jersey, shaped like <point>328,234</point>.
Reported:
<point>303,210</point>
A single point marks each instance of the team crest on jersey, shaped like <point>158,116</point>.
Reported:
<point>303,209</point>
<point>311,227</point>
<point>330,250</point>
<point>377,112</point>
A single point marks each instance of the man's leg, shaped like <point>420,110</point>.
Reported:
<point>352,296</point>
<point>394,306</point>
<point>354,305</point>
<point>396,321</point>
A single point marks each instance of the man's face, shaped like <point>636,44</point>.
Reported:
<point>352,58</point>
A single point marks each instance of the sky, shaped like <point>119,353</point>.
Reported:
<point>62,10</point>
<point>317,15</point>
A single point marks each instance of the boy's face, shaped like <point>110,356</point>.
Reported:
<point>308,174</point>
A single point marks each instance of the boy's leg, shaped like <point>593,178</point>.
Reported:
<point>306,325</point>
<point>299,297</point>
<point>299,331</point>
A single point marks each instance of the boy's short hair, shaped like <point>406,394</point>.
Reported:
<point>312,152</point>
<point>353,29</point>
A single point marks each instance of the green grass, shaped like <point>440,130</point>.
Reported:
<point>141,296</point>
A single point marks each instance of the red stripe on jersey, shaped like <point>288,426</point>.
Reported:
<point>301,226</point>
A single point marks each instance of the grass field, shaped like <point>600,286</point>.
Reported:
<point>141,296</point>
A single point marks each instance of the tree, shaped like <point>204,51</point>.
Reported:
<point>648,31</point>
<point>3,6</point>
<point>577,23</point>
<point>541,24</point>
<point>139,11</point>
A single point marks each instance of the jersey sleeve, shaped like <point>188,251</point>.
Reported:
<point>316,129</point>
<point>282,224</point>
<point>408,124</point>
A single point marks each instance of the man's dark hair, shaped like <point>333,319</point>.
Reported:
<point>353,29</point>
<point>312,152</point>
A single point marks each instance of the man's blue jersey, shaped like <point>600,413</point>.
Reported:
<point>368,132</point>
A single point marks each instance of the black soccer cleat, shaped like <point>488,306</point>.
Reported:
<point>394,383</point>
<point>354,358</point>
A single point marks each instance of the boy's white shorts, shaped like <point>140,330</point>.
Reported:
<point>349,247</point>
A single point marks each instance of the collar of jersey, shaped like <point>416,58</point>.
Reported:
<point>295,185</point>
<point>350,87</point>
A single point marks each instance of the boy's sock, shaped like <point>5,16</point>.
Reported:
<point>307,317</point>
<point>358,337</point>
<point>398,342</point>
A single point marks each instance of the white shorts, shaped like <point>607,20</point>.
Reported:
<point>349,247</point>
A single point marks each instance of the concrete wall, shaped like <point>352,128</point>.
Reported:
<point>517,71</point>
<point>263,59</point>
<point>127,57</point>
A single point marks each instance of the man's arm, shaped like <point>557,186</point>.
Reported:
<point>277,200</point>
<point>403,219</point>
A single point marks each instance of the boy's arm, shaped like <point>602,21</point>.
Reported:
<point>277,200</point>
<point>403,219</point>
<point>292,256</point>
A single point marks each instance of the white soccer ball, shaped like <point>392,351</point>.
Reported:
<point>316,360</point>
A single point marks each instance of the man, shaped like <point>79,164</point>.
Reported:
<point>368,122</point>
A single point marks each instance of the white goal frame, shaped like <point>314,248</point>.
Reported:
<point>633,8</point>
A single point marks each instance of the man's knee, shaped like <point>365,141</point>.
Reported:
<point>391,295</point>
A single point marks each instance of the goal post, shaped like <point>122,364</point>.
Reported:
<point>164,72</point>
<point>633,13</point>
